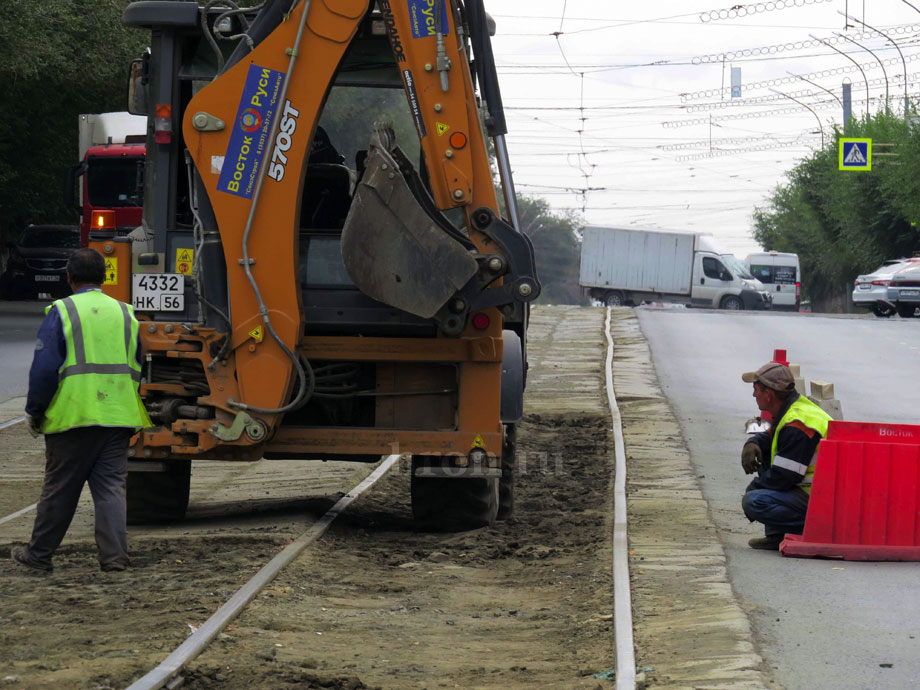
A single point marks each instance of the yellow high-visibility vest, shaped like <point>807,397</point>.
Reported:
<point>812,416</point>
<point>99,380</point>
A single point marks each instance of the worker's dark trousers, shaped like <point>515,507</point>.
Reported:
<point>97,455</point>
<point>781,512</point>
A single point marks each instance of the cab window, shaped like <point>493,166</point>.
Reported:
<point>712,268</point>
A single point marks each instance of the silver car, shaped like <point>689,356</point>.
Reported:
<point>871,290</point>
<point>904,291</point>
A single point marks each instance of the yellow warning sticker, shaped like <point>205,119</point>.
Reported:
<point>111,271</point>
<point>442,128</point>
<point>256,334</point>
<point>478,442</point>
<point>184,260</point>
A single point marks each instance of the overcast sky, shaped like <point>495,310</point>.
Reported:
<point>663,144</point>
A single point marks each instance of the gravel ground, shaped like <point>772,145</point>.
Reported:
<point>378,602</point>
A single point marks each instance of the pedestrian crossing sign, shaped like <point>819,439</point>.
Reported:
<point>855,154</point>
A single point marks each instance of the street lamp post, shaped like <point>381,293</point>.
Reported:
<point>880,63</point>
<point>820,126</point>
<point>799,76</point>
<point>897,47</point>
<point>913,7</point>
<point>858,66</point>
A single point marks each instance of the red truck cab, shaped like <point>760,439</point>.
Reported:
<point>110,173</point>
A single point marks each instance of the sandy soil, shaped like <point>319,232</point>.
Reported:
<point>378,603</point>
<point>525,604</point>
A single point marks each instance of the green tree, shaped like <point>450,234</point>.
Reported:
<point>557,245</point>
<point>58,58</point>
<point>843,223</point>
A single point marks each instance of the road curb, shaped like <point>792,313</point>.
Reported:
<point>690,629</point>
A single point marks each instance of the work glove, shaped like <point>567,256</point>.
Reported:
<point>34,425</point>
<point>751,457</point>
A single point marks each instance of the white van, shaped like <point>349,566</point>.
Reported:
<point>781,275</point>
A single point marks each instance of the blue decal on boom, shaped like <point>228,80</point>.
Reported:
<point>249,139</point>
<point>421,12</point>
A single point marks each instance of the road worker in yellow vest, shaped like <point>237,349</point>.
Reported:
<point>783,457</point>
<point>83,396</point>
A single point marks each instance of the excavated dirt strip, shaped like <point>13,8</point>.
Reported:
<point>525,604</point>
<point>378,603</point>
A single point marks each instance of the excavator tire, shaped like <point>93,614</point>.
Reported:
<point>506,483</point>
<point>453,504</point>
<point>159,496</point>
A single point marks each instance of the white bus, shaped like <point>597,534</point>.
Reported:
<point>781,275</point>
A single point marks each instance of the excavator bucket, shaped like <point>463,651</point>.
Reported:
<point>392,249</point>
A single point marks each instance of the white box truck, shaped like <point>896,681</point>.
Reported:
<point>626,266</point>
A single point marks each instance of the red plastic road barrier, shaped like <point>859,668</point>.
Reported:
<point>865,499</point>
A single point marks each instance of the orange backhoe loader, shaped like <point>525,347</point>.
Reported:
<point>324,269</point>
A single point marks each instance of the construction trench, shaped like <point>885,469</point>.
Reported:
<point>378,603</point>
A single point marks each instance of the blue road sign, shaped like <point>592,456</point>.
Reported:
<point>855,154</point>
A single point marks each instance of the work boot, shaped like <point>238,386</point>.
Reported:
<point>768,543</point>
<point>21,556</point>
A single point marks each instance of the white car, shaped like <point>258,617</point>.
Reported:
<point>871,290</point>
<point>904,291</point>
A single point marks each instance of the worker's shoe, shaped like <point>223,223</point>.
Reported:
<point>21,556</point>
<point>770,543</point>
<point>113,567</point>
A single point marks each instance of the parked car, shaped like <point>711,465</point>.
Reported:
<point>904,291</point>
<point>870,291</point>
<point>37,262</point>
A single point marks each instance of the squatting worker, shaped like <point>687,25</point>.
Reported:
<point>83,396</point>
<point>778,496</point>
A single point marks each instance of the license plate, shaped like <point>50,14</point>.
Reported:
<point>47,279</point>
<point>158,292</point>
<point>864,286</point>
<point>910,293</point>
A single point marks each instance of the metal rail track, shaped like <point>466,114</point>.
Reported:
<point>167,673</point>
<point>12,516</point>
<point>622,600</point>
<point>11,422</point>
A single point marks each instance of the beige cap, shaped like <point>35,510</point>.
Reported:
<point>772,375</point>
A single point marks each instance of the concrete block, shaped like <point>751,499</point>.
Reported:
<point>832,407</point>
<point>822,390</point>
<point>800,385</point>
<point>795,369</point>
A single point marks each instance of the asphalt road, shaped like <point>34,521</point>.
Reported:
<point>820,623</point>
<point>19,323</point>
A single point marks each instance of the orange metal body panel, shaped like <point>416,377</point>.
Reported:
<point>256,371</point>
<point>372,441</point>
<point>465,170</point>
<point>117,255</point>
<point>263,370</point>
<point>474,349</point>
